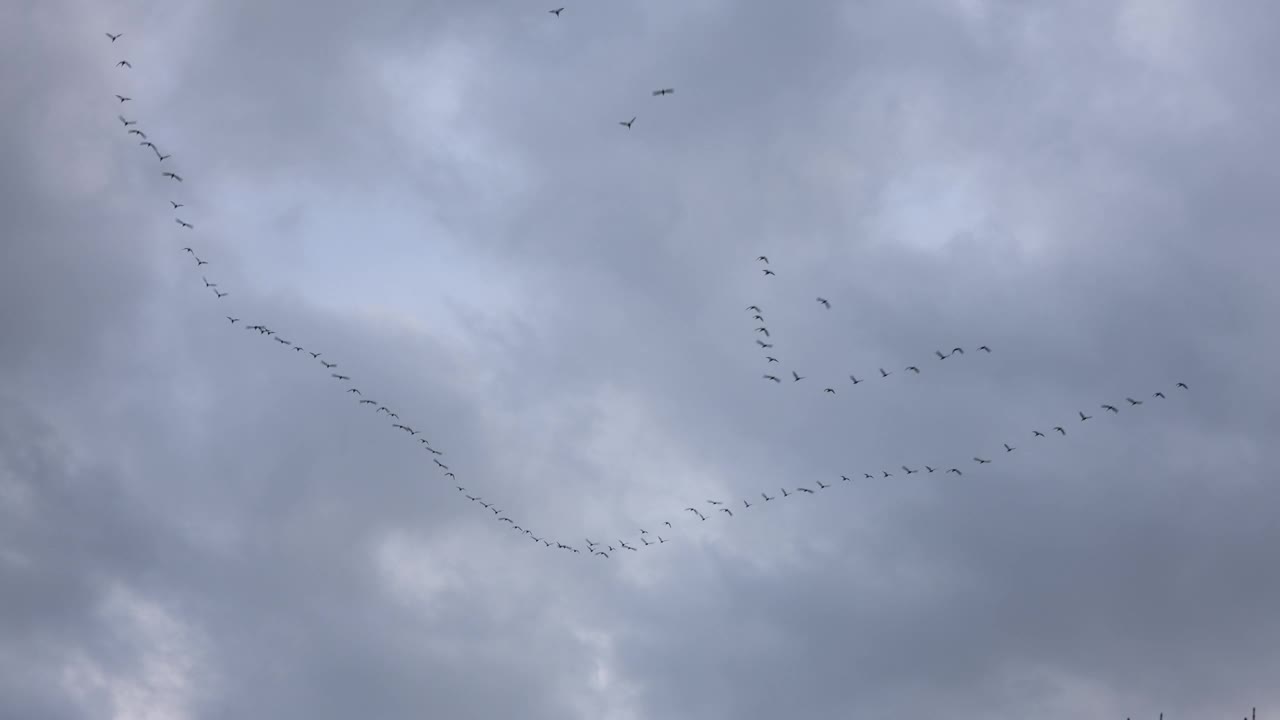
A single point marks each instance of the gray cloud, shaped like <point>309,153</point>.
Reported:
<point>196,522</point>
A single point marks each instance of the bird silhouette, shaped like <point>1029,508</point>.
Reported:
<point>822,486</point>
<point>955,470</point>
<point>771,359</point>
<point>125,63</point>
<point>854,379</point>
<point>123,99</point>
<point>763,344</point>
<point>913,369</point>
<point>797,376</point>
<point>127,123</point>
<point>184,223</point>
<point>824,303</point>
<point>176,205</point>
<point>764,259</point>
<point>763,330</point>
<point>830,390</point>
<point>556,12</point>
<point>766,497</point>
<point>1009,449</point>
<point>340,377</point>
<point>663,91</point>
<point>727,511</point>
<point>1060,430</point>
<point>884,374</point>
<point>1132,402</point>
<point>1037,433</point>
<point>755,308</point>
<point>1158,394</point>
<point>139,133</point>
<point>984,348</point>
<point>909,470</point>
<point>1084,417</point>
<point>220,294</point>
<point>1182,385</point>
<point>233,320</point>
<point>939,354</point>
<point>114,37</point>
<point>173,175</point>
<point>774,378</point>
<point>628,123</point>
<point>767,271</point>
<point>981,461</point>
<point>1111,408</point>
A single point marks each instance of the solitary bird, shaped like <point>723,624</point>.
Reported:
<point>763,344</point>
<point>340,377</point>
<point>139,133</point>
<point>1059,429</point>
<point>556,12</point>
<point>124,63</point>
<point>774,378</point>
<point>955,470</point>
<point>727,511</point>
<point>127,123</point>
<point>884,374</point>
<point>854,379</point>
<point>123,99</point>
<point>913,369</point>
<point>1037,433</point>
<point>798,377</point>
<point>981,461</point>
<point>1009,449</point>
<point>1084,417</point>
<point>767,271</point>
<point>766,497</point>
<point>1183,386</point>
<point>939,354</point>
<point>233,320</point>
<point>173,175</point>
<point>755,308</point>
<point>771,359</point>
<point>1158,394</point>
<point>824,303</point>
<point>1110,408</point>
<point>220,294</point>
<point>763,330</point>
<point>984,348</point>
<point>114,37</point>
<point>184,223</point>
<point>1133,402</point>
<point>663,91</point>
<point>627,124</point>
<point>355,391</point>
<point>957,351</point>
<point>328,364</point>
<point>909,470</point>
<point>830,390</point>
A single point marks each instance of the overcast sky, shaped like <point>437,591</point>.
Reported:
<point>197,522</point>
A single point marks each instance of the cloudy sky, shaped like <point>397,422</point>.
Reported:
<point>196,522</point>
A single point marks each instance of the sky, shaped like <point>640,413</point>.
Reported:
<point>198,522</point>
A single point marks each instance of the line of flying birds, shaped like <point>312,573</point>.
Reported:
<point>644,538</point>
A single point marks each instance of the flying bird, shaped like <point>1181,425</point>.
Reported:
<point>1183,386</point>
<point>176,205</point>
<point>340,377</point>
<point>220,294</point>
<point>955,470</point>
<point>774,378</point>
<point>123,99</point>
<point>139,133</point>
<point>913,369</point>
<point>1110,408</point>
<point>830,390</point>
<point>160,157</point>
<point>939,354</point>
<point>328,364</point>
<point>756,308</point>
<point>124,63</point>
<point>1133,402</point>
<point>764,259</point>
<point>715,502</point>
<point>763,330</point>
<point>184,223</point>
<point>984,348</point>
<point>804,490</point>
<point>663,91</point>
<point>233,320</point>
<point>766,497</point>
<point>981,461</point>
<point>854,379</point>
<point>822,485</point>
<point>1084,417</point>
<point>1009,449</point>
<point>1059,429</point>
<point>884,374</point>
<point>147,143</point>
<point>798,377</point>
<point>926,467</point>
<point>556,12</point>
<point>909,470</point>
<point>727,511</point>
<point>1037,433</point>
<point>763,344</point>
<point>114,37</point>
<point>127,123</point>
<point>955,351</point>
<point>173,175</point>
<point>207,283</point>
<point>368,402</point>
<point>824,303</point>
<point>199,262</point>
<point>1157,394</point>
<point>767,271</point>
<point>355,391</point>
<point>627,124</point>
<point>771,359</point>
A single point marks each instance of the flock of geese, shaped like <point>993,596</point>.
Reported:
<point>635,541</point>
